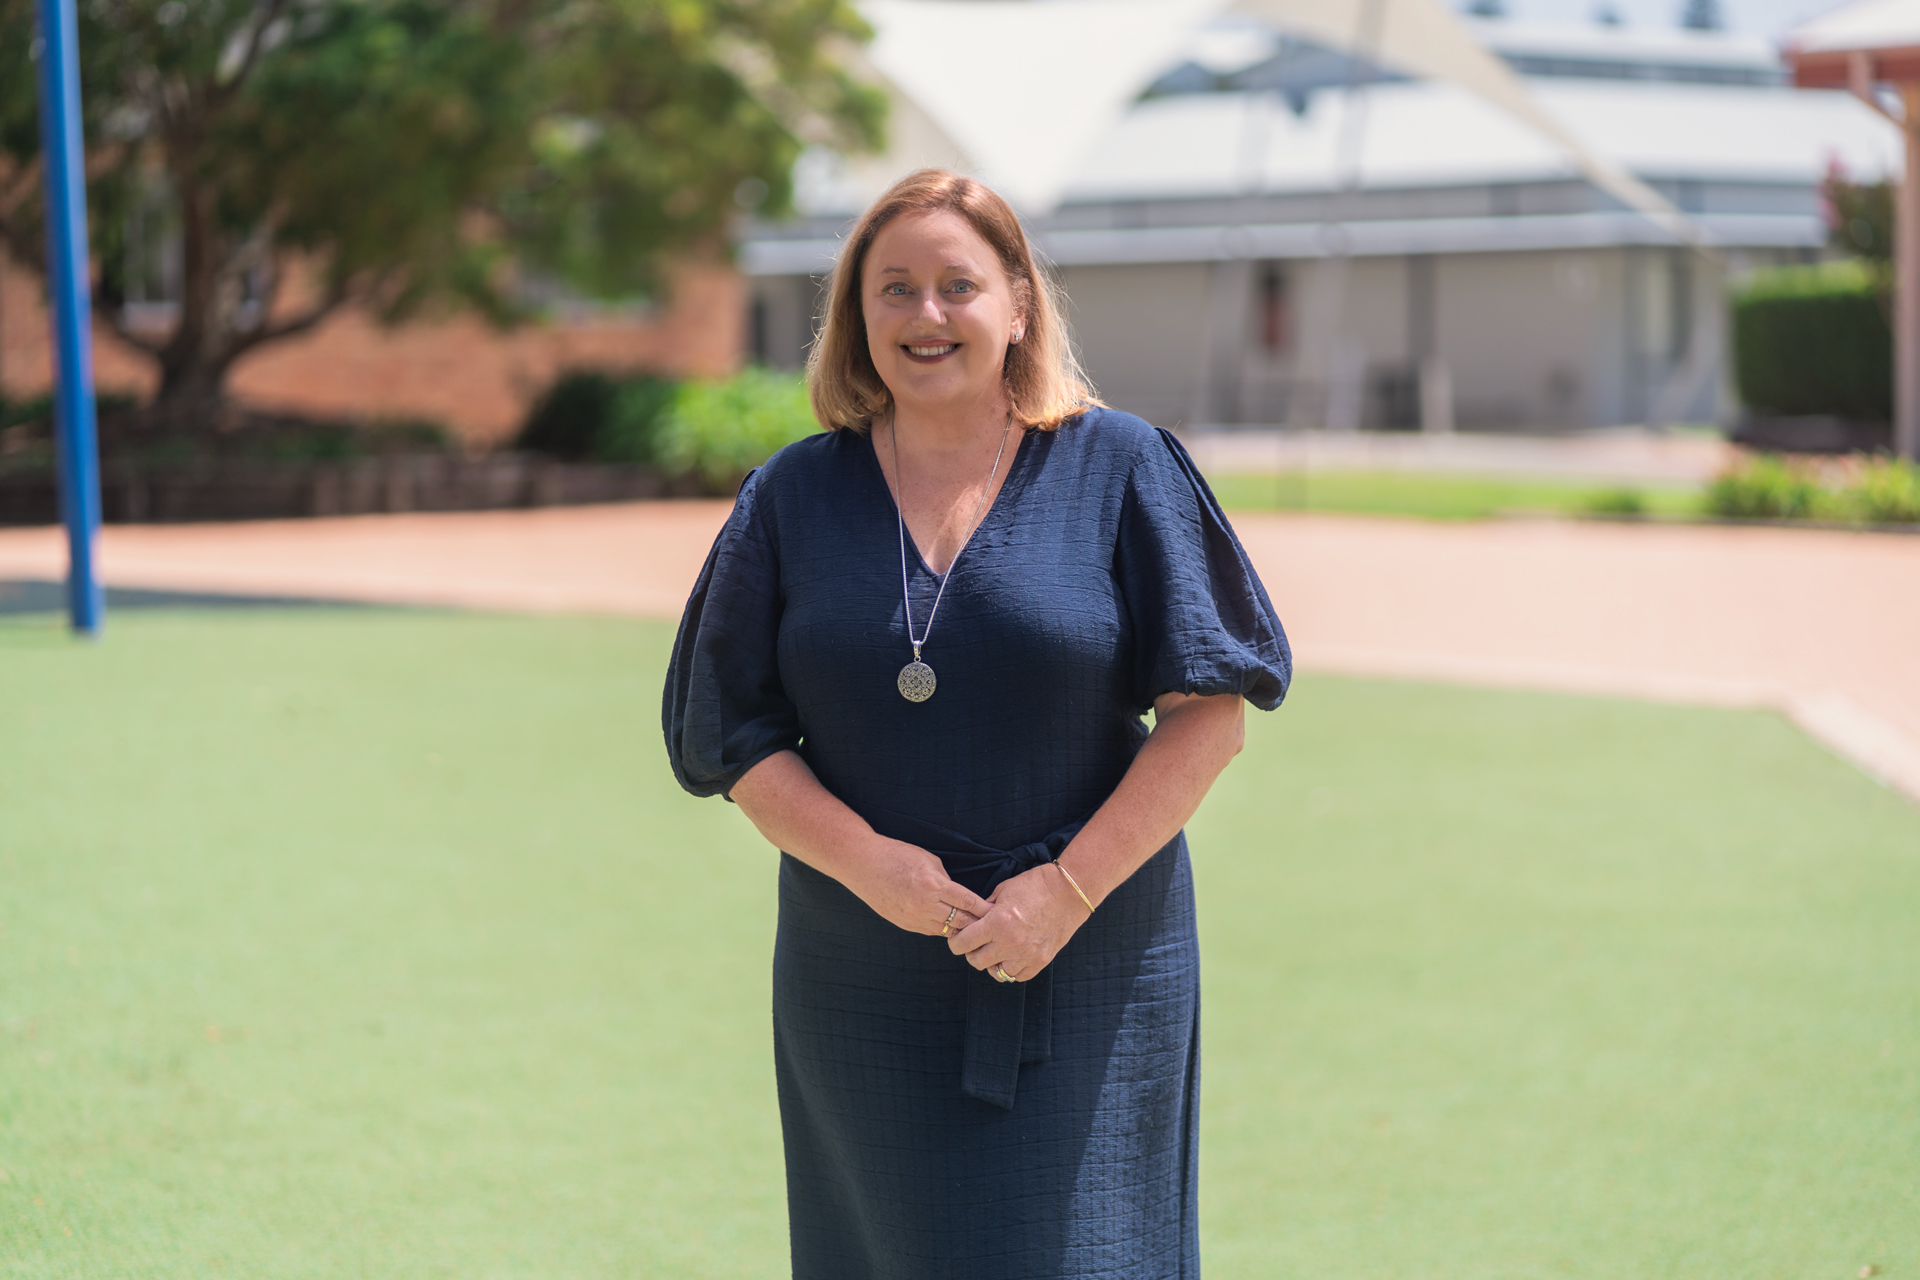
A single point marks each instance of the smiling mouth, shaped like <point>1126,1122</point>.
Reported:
<point>931,351</point>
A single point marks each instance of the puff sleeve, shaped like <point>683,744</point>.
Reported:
<point>725,709</point>
<point>1201,620</point>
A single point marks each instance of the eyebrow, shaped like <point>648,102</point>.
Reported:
<point>901,271</point>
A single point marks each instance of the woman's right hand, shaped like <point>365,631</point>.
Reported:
<point>904,883</point>
<point>908,887</point>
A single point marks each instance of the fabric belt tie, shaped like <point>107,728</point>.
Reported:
<point>1008,1023</point>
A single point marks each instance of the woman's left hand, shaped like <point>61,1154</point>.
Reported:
<point>1030,918</point>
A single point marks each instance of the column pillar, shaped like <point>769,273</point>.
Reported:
<point>1906,270</point>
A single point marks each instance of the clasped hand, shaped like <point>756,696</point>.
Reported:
<point>1028,919</point>
<point>1021,926</point>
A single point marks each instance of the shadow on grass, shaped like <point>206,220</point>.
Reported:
<point>39,596</point>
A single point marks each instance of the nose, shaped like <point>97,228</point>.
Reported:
<point>932,311</point>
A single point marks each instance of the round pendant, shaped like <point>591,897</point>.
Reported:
<point>916,681</point>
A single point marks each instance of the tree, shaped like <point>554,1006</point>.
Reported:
<point>388,153</point>
<point>1860,221</point>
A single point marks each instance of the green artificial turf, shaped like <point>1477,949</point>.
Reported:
<point>1443,496</point>
<point>381,944</point>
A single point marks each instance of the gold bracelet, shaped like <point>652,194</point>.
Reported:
<point>1076,886</point>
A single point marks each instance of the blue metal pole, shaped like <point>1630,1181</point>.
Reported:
<point>69,281</point>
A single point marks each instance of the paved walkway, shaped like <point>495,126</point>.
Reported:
<point>1824,626</point>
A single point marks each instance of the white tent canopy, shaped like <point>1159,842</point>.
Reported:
<point>1424,38</point>
<point>1021,91</point>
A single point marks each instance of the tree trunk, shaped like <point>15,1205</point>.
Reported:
<point>191,399</point>
<point>206,339</point>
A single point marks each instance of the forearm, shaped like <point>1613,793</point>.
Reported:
<point>906,885</point>
<point>788,806</point>
<point>1192,740</point>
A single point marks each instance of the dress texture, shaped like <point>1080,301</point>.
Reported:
<point>937,1123</point>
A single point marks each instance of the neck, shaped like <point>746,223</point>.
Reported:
<point>950,427</point>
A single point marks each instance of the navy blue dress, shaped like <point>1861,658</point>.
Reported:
<point>937,1123</point>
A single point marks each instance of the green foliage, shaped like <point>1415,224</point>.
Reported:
<point>631,433</point>
<point>291,440</point>
<point>567,420</point>
<point>1860,219</point>
<point>1815,340</point>
<point>592,416</point>
<point>1887,491</point>
<point>1765,488</point>
<point>1617,502</point>
<point>405,150</point>
<point>36,412</point>
<point>722,430</point>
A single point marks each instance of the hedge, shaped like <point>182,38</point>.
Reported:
<point>1814,340</point>
<point>591,416</point>
<point>722,430</point>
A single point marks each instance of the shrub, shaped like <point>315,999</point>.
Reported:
<point>1886,492</point>
<point>35,412</point>
<point>1814,340</point>
<point>591,416</point>
<point>39,411</point>
<point>721,430</point>
<point>1764,488</point>
<point>1617,502</point>
<point>631,430</point>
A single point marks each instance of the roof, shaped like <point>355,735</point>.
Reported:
<point>814,255</point>
<point>1647,46</point>
<point>1427,134</point>
<point>1864,24</point>
<point>1202,147</point>
<point>1877,39</point>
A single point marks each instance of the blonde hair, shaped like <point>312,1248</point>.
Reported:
<point>1044,381</point>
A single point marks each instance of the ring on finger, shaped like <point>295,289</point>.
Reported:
<point>1000,974</point>
<point>947,928</point>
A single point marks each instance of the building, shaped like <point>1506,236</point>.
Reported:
<point>1277,233</point>
<point>454,369</point>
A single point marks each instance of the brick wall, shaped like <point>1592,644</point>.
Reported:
<point>453,369</point>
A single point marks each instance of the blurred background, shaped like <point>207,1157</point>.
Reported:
<point>1545,355</point>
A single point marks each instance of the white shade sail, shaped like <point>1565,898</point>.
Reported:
<point>1424,38</point>
<point>1019,92</point>
<point>1022,90</point>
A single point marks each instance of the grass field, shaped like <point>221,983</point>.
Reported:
<point>1442,496</point>
<point>340,944</point>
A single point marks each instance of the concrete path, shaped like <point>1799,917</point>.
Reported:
<point>1823,626</point>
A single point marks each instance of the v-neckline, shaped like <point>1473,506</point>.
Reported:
<point>880,473</point>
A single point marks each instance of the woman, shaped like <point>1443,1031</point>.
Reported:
<point>917,659</point>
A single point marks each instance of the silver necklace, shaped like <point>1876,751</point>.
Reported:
<point>916,680</point>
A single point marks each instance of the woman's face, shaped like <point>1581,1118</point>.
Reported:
<point>940,311</point>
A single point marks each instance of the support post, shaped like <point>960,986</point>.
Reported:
<point>1906,270</point>
<point>69,281</point>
